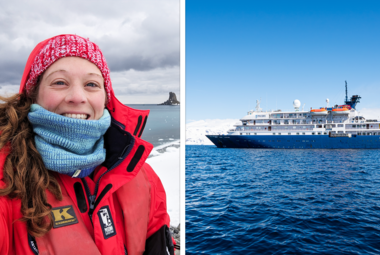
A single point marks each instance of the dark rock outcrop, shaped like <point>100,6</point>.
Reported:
<point>172,100</point>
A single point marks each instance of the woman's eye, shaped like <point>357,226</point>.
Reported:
<point>91,84</point>
<point>59,83</point>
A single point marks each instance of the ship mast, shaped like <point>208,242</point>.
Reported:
<point>346,92</point>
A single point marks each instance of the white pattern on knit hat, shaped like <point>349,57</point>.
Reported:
<point>68,46</point>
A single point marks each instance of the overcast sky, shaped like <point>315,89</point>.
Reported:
<point>139,38</point>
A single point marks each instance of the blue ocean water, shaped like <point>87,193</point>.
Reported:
<point>278,201</point>
<point>163,123</point>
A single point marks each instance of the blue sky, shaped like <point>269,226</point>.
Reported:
<point>239,51</point>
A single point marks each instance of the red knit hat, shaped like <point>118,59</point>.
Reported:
<point>50,50</point>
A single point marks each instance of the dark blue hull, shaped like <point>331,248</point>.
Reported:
<point>295,141</point>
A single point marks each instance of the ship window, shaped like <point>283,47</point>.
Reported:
<point>313,133</point>
<point>279,133</point>
<point>274,133</point>
<point>241,133</point>
<point>298,133</point>
<point>255,133</point>
<point>319,133</point>
<point>325,133</point>
<point>289,133</point>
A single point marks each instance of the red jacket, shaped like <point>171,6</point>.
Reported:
<point>122,210</point>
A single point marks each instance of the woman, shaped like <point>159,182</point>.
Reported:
<point>73,177</point>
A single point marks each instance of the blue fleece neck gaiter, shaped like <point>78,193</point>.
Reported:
<point>69,146</point>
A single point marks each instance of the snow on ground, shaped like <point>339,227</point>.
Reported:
<point>196,131</point>
<point>164,160</point>
<point>9,90</point>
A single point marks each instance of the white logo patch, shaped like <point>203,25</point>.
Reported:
<point>106,222</point>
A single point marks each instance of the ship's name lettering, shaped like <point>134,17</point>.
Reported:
<point>260,116</point>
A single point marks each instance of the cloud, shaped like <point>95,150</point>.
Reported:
<point>132,85</point>
<point>134,35</point>
<point>370,113</point>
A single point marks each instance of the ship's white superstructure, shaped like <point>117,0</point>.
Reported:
<point>324,121</point>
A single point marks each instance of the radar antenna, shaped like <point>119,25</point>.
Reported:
<point>258,109</point>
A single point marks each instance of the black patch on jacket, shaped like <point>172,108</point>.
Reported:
<point>160,242</point>
<point>81,198</point>
<point>106,222</point>
<point>138,125</point>
<point>63,216</point>
<point>33,244</point>
<point>142,129</point>
<point>139,152</point>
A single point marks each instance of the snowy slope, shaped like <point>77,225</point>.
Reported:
<point>196,131</point>
<point>164,160</point>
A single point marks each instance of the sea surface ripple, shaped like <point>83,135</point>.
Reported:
<point>264,201</point>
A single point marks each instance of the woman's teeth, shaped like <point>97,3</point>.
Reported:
<point>76,116</point>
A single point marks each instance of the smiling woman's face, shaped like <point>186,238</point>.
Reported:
<point>73,87</point>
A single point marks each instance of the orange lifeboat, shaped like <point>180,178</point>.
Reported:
<point>322,111</point>
<point>342,110</point>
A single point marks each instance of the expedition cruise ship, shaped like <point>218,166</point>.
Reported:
<point>337,127</point>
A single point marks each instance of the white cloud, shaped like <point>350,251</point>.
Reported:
<point>370,113</point>
<point>133,35</point>
<point>131,86</point>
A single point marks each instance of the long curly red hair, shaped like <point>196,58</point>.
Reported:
<point>25,174</point>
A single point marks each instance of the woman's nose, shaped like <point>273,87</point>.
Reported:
<point>76,94</point>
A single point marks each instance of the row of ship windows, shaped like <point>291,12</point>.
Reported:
<point>320,133</point>
<point>318,126</point>
<point>304,141</point>
<point>287,122</point>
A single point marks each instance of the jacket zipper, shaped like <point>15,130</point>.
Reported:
<point>92,198</point>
